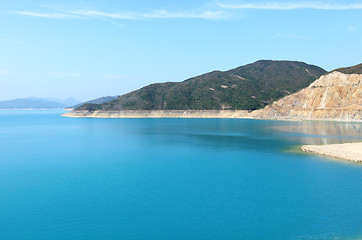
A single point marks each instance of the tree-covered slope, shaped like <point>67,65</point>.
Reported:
<point>350,70</point>
<point>247,87</point>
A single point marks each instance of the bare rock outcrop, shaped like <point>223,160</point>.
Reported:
<point>335,96</point>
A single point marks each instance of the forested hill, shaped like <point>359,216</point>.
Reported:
<point>248,87</point>
<point>357,69</point>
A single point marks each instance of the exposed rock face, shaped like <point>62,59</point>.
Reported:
<point>335,96</point>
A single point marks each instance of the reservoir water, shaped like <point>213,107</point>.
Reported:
<point>68,178</point>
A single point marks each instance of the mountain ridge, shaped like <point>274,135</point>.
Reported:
<point>36,103</point>
<point>334,96</point>
<point>247,87</point>
<point>356,69</point>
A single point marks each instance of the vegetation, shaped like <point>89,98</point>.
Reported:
<point>97,101</point>
<point>247,87</point>
<point>350,70</point>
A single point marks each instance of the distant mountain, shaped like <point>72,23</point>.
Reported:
<point>248,87</point>
<point>68,101</point>
<point>96,101</point>
<point>29,103</point>
<point>37,103</point>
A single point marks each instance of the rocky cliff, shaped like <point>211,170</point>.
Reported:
<point>334,96</point>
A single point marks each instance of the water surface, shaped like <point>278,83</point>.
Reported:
<point>67,178</point>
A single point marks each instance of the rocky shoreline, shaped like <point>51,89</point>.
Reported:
<point>199,114</point>
<point>159,114</point>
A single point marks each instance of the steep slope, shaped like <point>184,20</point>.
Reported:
<point>334,96</point>
<point>248,87</point>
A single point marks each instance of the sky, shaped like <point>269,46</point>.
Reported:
<point>94,48</point>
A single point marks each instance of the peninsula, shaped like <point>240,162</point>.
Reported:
<point>347,151</point>
<point>279,90</point>
<point>246,88</point>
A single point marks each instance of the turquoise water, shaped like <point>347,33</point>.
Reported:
<point>66,178</point>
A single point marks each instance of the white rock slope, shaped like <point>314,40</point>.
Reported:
<point>335,96</point>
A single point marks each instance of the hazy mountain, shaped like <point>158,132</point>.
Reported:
<point>248,87</point>
<point>68,101</point>
<point>96,101</point>
<point>36,103</point>
<point>29,103</point>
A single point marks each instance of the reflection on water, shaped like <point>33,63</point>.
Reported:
<point>67,178</point>
<point>231,134</point>
<point>313,132</point>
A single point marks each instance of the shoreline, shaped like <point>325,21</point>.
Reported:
<point>159,114</point>
<point>242,114</point>
<point>346,151</point>
<point>17,109</point>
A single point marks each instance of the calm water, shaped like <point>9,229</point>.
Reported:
<point>64,178</point>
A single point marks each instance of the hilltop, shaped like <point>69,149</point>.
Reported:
<point>248,87</point>
<point>357,69</point>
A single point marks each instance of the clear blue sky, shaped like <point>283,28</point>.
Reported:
<point>94,48</point>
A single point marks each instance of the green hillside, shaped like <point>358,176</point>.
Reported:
<point>350,70</point>
<point>97,101</point>
<point>247,87</point>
